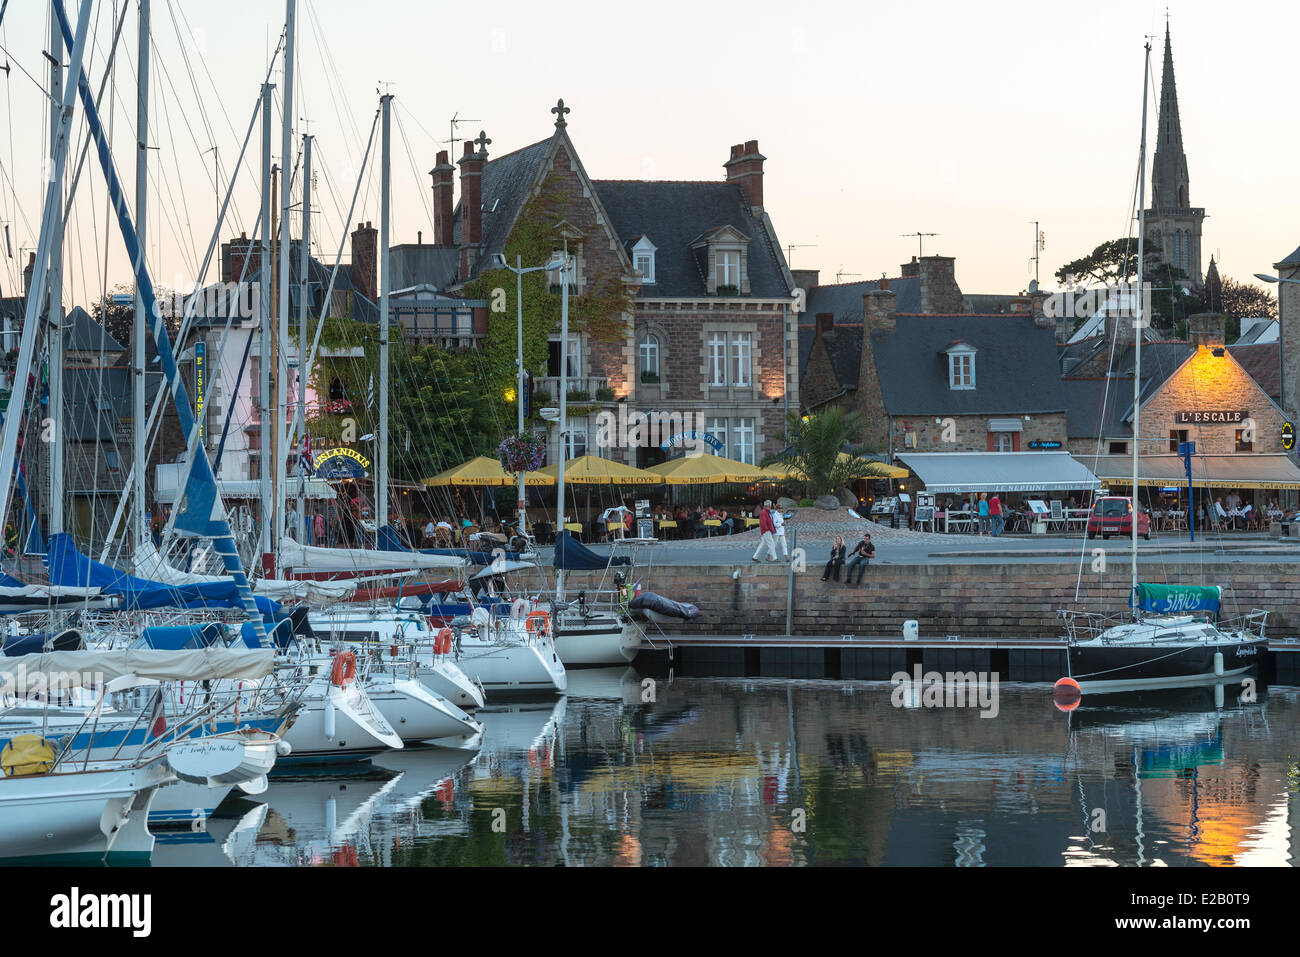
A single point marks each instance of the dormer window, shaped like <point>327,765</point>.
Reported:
<point>961,366</point>
<point>721,254</point>
<point>643,260</point>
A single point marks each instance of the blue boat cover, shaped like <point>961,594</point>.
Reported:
<point>16,646</point>
<point>572,555</point>
<point>180,637</point>
<point>70,568</point>
<point>278,636</point>
<point>390,542</point>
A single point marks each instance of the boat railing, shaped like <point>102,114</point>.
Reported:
<point>1253,622</point>
<point>1086,625</point>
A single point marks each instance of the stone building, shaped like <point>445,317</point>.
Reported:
<point>1171,221</point>
<point>932,382</point>
<point>712,330</point>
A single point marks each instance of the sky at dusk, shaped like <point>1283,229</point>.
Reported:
<point>877,120</point>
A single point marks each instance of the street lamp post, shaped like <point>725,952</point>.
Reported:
<point>519,270</point>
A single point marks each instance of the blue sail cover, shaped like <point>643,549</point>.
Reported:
<point>389,541</point>
<point>572,555</point>
<point>68,567</point>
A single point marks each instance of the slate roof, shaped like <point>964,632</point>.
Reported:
<point>84,334</point>
<point>414,264</point>
<point>1263,362</point>
<point>1292,260</point>
<point>94,400</point>
<point>1014,367</point>
<point>843,347</point>
<point>986,305</point>
<point>672,215</point>
<point>844,300</point>
<point>507,181</point>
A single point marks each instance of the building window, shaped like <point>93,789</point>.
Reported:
<point>727,268</point>
<point>717,359</point>
<point>1118,448</point>
<point>718,429</point>
<point>742,443</point>
<point>1003,441</point>
<point>643,260</point>
<point>741,355</point>
<point>648,352</point>
<point>576,438</point>
<point>1176,437</point>
<point>1244,445</point>
<point>961,370</point>
<point>574,369</point>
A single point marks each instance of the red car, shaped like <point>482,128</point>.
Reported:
<point>1113,515</point>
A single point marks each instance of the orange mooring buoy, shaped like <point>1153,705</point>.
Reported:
<point>1066,694</point>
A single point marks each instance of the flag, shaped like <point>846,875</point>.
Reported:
<point>304,457</point>
<point>157,716</point>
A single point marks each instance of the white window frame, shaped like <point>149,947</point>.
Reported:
<point>742,352</point>
<point>718,429</point>
<point>648,355</point>
<point>574,429</point>
<point>961,368</point>
<point>644,250</point>
<point>717,359</point>
<point>725,261</point>
<point>743,443</point>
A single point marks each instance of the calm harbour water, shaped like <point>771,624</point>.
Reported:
<point>785,772</point>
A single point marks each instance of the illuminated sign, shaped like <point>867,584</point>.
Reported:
<point>200,374</point>
<point>1210,416</point>
<point>1046,444</point>
<point>1288,436</point>
<point>340,463</point>
<point>712,441</point>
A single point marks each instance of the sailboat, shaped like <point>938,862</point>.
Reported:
<point>1175,638</point>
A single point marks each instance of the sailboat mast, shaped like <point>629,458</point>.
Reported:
<point>140,513</point>
<point>381,455</point>
<point>1139,318</point>
<point>304,259</point>
<point>564,408</point>
<point>56,332</point>
<point>282,329</point>
<point>267,541</point>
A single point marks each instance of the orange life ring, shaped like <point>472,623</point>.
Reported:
<point>537,622</point>
<point>442,643</point>
<point>344,670</point>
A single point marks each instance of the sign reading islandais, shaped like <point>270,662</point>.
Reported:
<point>1210,417</point>
<point>340,463</point>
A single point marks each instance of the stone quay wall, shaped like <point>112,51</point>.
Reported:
<point>973,601</point>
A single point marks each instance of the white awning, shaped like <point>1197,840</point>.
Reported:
<point>1006,425</point>
<point>999,471</point>
<point>1242,470</point>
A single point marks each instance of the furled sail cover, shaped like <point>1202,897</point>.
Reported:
<point>482,552</point>
<point>89,668</point>
<point>1176,599</point>
<point>572,555</point>
<point>312,558</point>
<point>68,567</point>
<point>151,565</point>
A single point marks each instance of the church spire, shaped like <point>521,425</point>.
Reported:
<point>1169,169</point>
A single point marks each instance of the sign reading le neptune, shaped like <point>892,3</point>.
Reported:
<point>340,463</point>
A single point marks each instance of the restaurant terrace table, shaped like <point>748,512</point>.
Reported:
<point>750,522</point>
<point>711,523</point>
<point>962,519</point>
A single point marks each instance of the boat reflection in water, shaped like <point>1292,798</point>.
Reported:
<point>775,772</point>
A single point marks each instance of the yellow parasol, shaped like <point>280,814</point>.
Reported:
<point>482,471</point>
<point>593,470</point>
<point>705,469</point>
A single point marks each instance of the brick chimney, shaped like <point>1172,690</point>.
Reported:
<point>27,273</point>
<point>243,258</point>
<point>940,294</point>
<point>805,279</point>
<point>746,168</point>
<point>1206,329</point>
<point>365,252</point>
<point>910,270</point>
<point>878,309</point>
<point>444,186</point>
<point>471,209</point>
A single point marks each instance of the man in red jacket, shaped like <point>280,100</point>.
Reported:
<point>768,529</point>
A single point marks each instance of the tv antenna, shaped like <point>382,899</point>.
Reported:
<point>839,276</point>
<point>1040,243</point>
<point>453,139</point>
<point>920,241</point>
<point>789,250</point>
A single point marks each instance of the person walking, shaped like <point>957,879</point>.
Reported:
<point>767,532</point>
<point>859,558</point>
<point>837,560</point>
<point>778,532</point>
<point>983,510</point>
<point>995,514</point>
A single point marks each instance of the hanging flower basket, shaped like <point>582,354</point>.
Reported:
<point>525,452</point>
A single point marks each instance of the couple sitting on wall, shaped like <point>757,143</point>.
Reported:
<point>858,559</point>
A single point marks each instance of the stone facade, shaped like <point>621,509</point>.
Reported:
<point>926,433</point>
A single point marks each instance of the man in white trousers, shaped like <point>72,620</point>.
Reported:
<point>768,529</point>
<point>778,533</point>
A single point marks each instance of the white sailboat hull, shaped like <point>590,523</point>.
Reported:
<point>598,641</point>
